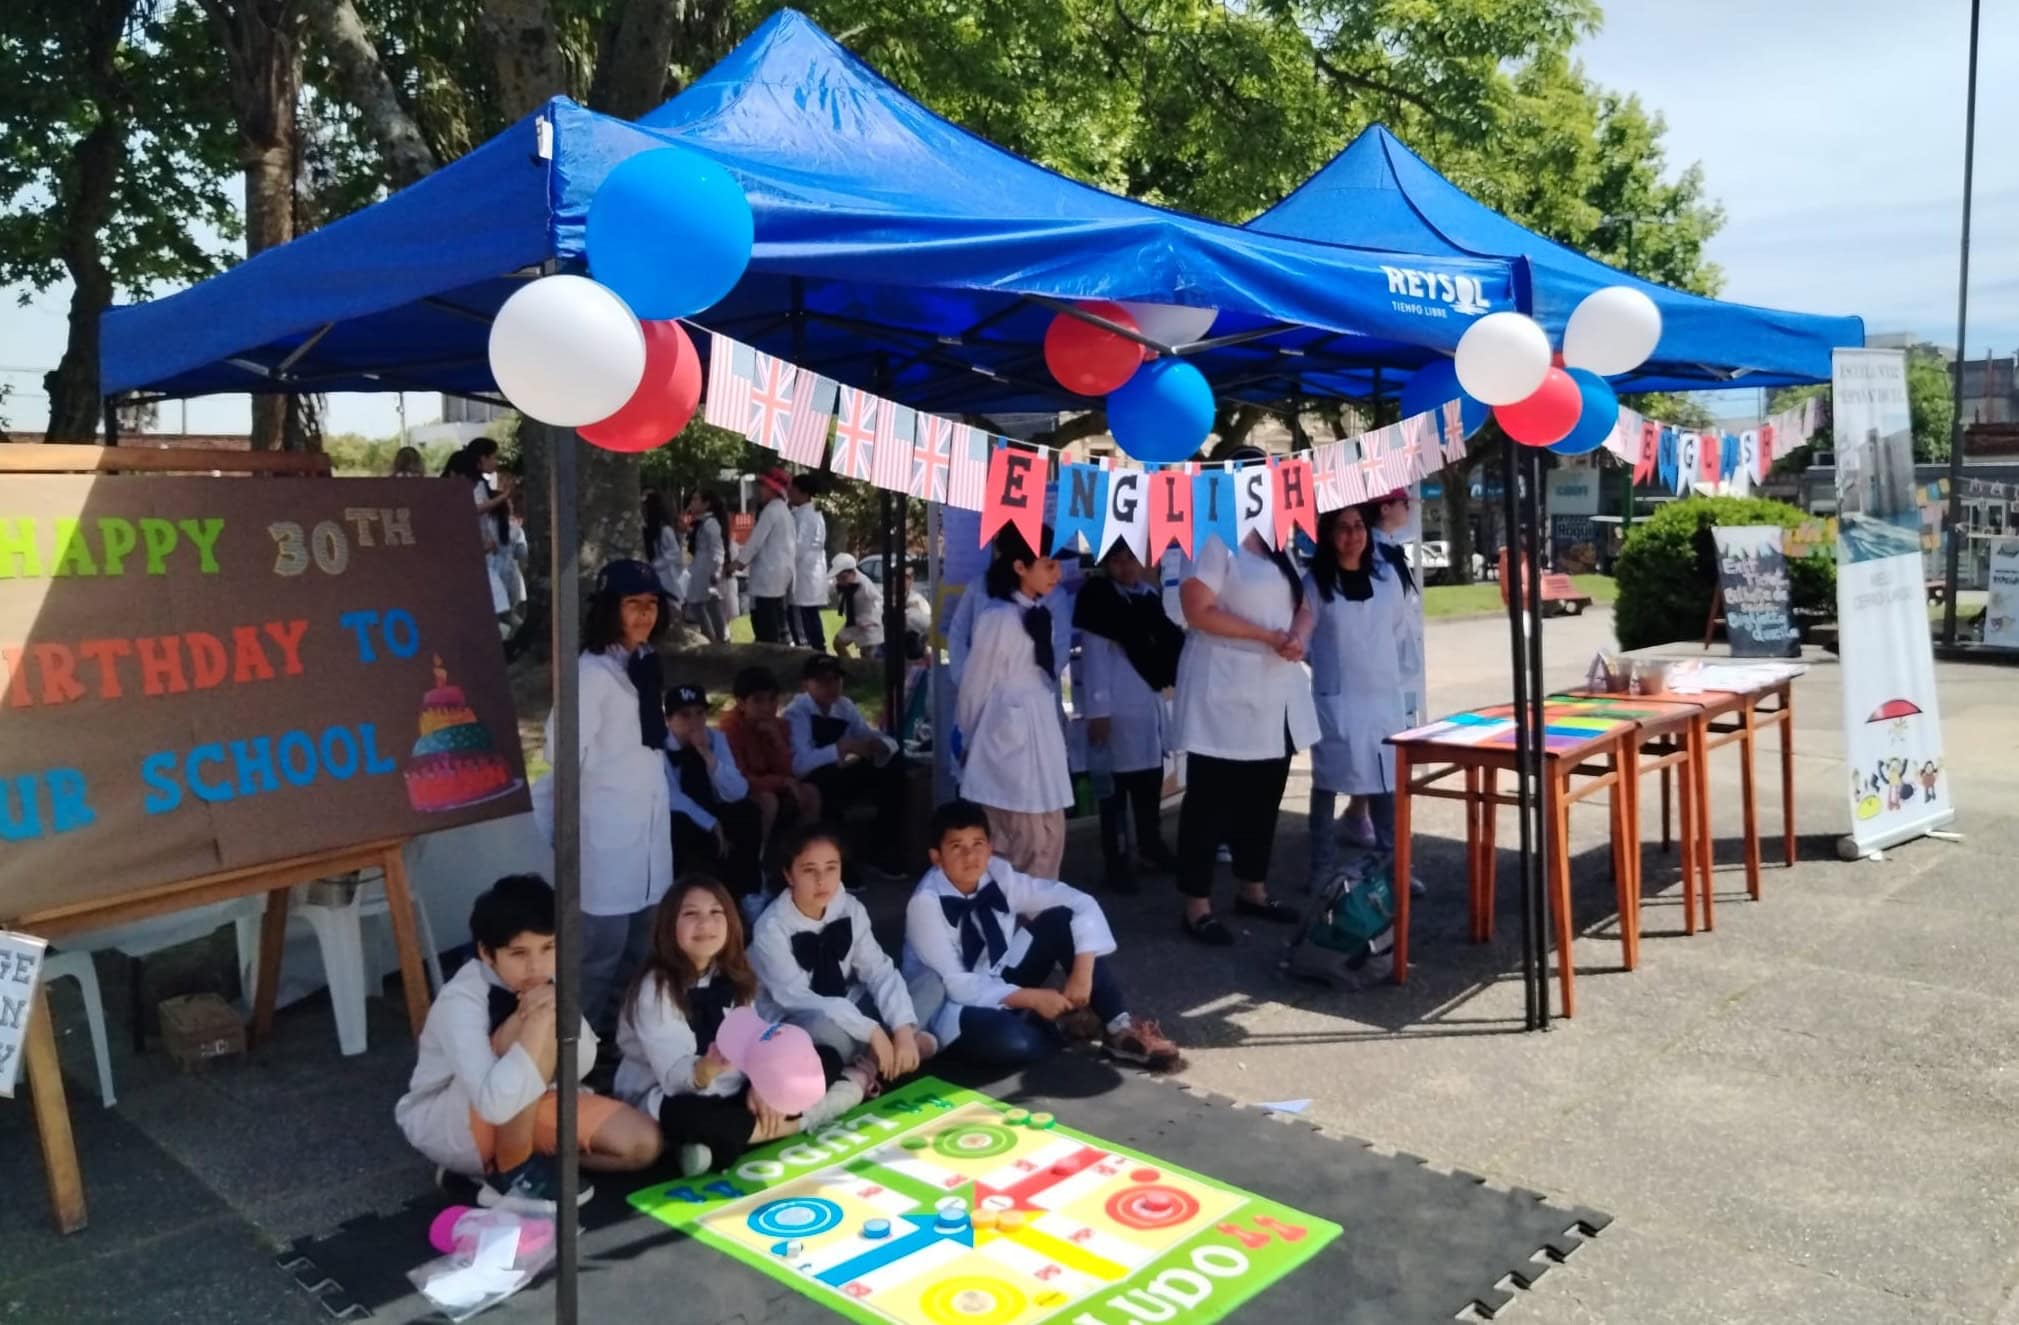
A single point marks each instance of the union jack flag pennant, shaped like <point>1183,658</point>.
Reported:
<point>970,448</point>
<point>1454,431</point>
<point>1420,430</point>
<point>1352,474</point>
<point>812,412</point>
<point>769,419</point>
<point>855,434</point>
<point>896,427</point>
<point>932,458</point>
<point>731,367</point>
<point>1328,464</point>
<point>1367,472</point>
<point>1395,461</point>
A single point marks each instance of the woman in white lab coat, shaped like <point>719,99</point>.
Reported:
<point>809,570</point>
<point>771,555</point>
<point>708,565</point>
<point>1387,524</point>
<point>1128,657</point>
<point>1356,679</point>
<point>663,547</point>
<point>1243,709</point>
<point>1015,766</point>
<point>626,828</point>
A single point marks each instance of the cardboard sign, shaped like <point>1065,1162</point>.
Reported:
<point>1753,575</point>
<point>20,968</point>
<point>202,674</point>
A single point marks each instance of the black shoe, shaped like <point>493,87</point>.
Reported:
<point>1208,930</point>
<point>1273,911</point>
<point>1157,861</point>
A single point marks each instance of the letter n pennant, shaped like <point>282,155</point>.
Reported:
<point>1083,507</point>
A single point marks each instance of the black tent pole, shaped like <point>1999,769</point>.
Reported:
<point>1531,521</point>
<point>895,564</point>
<point>565,597</point>
<point>1518,672</point>
<point>1954,555</point>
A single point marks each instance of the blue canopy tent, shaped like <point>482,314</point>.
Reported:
<point>1379,194</point>
<point>894,251</point>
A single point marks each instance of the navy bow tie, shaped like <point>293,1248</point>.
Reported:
<point>821,952</point>
<point>706,1006</point>
<point>975,917</point>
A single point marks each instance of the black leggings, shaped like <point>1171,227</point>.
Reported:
<point>722,1123</point>
<point>1142,791</point>
<point>1234,801</point>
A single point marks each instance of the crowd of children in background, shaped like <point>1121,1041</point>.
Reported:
<point>772,814</point>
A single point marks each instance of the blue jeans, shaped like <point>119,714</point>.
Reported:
<point>1013,1037</point>
<point>1325,829</point>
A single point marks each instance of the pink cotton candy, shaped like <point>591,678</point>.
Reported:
<point>778,1058</point>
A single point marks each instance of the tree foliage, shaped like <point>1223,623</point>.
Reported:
<point>1668,569</point>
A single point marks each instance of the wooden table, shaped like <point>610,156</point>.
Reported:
<point>1587,748</point>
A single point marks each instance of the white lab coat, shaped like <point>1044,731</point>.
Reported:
<point>771,551</point>
<point>808,758</point>
<point>456,1073</point>
<point>1110,687</point>
<point>785,988</point>
<point>917,614</point>
<point>809,568</point>
<point>659,1051</point>
<point>863,626</point>
<point>705,576</point>
<point>728,780</point>
<point>932,944</point>
<point>1009,710</point>
<point>1236,698</point>
<point>960,626</point>
<point>1414,680</point>
<point>1356,682</point>
<point>627,841</point>
<point>669,563</point>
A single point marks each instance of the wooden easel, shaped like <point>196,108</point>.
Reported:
<point>1716,617</point>
<point>45,1078</point>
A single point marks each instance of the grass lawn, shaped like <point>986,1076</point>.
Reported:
<point>1454,600</point>
<point>739,629</point>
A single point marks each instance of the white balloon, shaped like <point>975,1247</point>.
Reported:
<point>1611,331</point>
<point>1502,358</point>
<point>1171,324</point>
<point>566,351</point>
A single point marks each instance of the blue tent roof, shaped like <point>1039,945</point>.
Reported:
<point>1379,193</point>
<point>894,251</point>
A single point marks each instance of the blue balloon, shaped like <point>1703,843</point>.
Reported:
<point>1433,384</point>
<point>1595,420</point>
<point>1162,414</point>
<point>670,231</point>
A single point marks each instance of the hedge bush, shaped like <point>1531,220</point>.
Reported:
<point>1667,571</point>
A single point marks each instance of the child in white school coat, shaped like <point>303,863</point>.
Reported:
<point>994,936</point>
<point>821,967</point>
<point>481,1103</point>
<point>1008,708</point>
<point>1128,658</point>
<point>708,1113</point>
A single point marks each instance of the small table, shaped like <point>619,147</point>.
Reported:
<point>1480,744</point>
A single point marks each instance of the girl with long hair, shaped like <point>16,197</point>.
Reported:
<point>707,563</point>
<point>663,546</point>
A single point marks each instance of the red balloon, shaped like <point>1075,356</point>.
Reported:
<point>665,398</point>
<point>1547,415</point>
<point>1091,360</point>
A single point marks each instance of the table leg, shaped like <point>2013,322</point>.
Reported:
<point>1747,746</point>
<point>1472,887</point>
<point>52,1119</point>
<point>1686,790</point>
<point>1664,802</point>
<point>1788,771</point>
<point>406,938</point>
<point>272,939</point>
<point>1622,876</point>
<point>1489,859</point>
<point>1557,868</point>
<point>1704,839</point>
<point>1401,887</point>
<point>1632,796</point>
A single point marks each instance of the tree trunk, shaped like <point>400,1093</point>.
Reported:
<point>361,78</point>
<point>1458,511</point>
<point>73,385</point>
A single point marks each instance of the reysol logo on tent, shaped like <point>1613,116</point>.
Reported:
<point>1460,294</point>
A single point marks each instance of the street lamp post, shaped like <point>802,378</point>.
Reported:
<point>1955,542</point>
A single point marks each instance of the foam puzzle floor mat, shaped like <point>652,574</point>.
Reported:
<point>1071,1192</point>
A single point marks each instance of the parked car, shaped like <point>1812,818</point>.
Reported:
<point>872,566</point>
<point>1434,556</point>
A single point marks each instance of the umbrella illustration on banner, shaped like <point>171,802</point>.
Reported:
<point>1896,712</point>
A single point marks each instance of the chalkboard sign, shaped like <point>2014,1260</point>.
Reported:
<point>201,674</point>
<point>1753,575</point>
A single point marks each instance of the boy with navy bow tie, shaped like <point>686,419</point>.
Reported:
<point>994,936</point>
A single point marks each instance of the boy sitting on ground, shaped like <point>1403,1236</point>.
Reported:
<point>994,936</point>
<point>717,828</point>
<point>481,1103</point>
<point>763,750</point>
<point>847,760</point>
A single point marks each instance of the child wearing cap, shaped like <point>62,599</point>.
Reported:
<point>861,604</point>
<point>763,748</point>
<point>627,852</point>
<point>716,826</point>
<point>770,555</point>
<point>846,760</point>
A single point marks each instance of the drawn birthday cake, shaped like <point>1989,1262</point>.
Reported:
<point>454,763</point>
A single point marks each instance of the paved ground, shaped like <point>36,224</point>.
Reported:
<point>1807,1115</point>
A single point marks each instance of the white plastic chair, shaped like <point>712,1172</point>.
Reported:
<point>73,965</point>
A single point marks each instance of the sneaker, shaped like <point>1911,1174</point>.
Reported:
<point>459,1189</point>
<point>695,1160</point>
<point>1081,1025</point>
<point>842,1096</point>
<point>1144,1044</point>
<point>533,1188</point>
<point>1356,830</point>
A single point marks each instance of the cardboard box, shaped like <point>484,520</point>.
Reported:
<point>197,1028</point>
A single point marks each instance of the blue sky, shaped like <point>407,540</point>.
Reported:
<point>1831,130</point>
